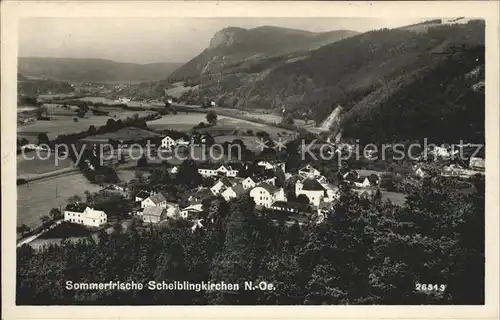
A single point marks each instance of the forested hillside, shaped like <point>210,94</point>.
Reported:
<point>371,75</point>
<point>233,46</point>
<point>34,87</point>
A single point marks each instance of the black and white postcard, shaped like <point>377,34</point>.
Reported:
<point>181,154</point>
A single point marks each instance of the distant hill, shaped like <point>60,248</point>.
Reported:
<point>30,88</point>
<point>93,70</point>
<point>233,45</point>
<point>408,77</point>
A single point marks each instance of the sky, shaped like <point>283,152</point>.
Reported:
<point>148,40</point>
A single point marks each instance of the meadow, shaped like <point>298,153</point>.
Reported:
<point>225,125</point>
<point>35,199</point>
<point>65,124</point>
<point>179,122</point>
<point>33,164</point>
<point>126,134</point>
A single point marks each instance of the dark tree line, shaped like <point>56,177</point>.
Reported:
<point>366,252</point>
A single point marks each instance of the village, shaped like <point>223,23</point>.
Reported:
<point>300,195</point>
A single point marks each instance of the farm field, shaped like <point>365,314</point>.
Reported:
<point>41,163</point>
<point>186,122</point>
<point>36,198</point>
<point>66,124</point>
<point>179,122</point>
<point>128,133</point>
<point>110,101</point>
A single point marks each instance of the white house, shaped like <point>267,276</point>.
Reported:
<point>309,172</point>
<point>208,170</point>
<point>248,183</point>
<point>265,194</point>
<point>287,206</point>
<point>477,163</point>
<point>84,215</point>
<point>251,182</point>
<point>191,210</point>
<point>172,210</point>
<point>312,189</point>
<point>232,192</point>
<point>153,214</point>
<point>332,192</point>
<point>272,165</point>
<point>154,200</point>
<point>141,196</point>
<point>233,169</point>
<point>181,142</point>
<point>362,182</point>
<point>420,171</point>
<point>213,170</point>
<point>167,143</point>
<point>223,183</point>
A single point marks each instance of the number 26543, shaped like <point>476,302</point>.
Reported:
<point>430,287</point>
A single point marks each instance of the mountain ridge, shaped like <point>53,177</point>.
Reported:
<point>233,45</point>
<point>361,73</point>
<point>93,69</point>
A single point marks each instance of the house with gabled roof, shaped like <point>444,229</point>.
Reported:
<point>142,195</point>
<point>152,214</point>
<point>309,172</point>
<point>272,165</point>
<point>193,210</point>
<point>233,192</point>
<point>477,164</point>
<point>312,189</point>
<point>223,183</point>
<point>265,194</point>
<point>216,169</point>
<point>82,214</point>
<point>167,143</point>
<point>154,200</point>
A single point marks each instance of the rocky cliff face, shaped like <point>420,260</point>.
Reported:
<point>231,46</point>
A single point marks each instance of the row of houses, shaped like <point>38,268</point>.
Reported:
<point>475,166</point>
<point>261,186</point>
<point>233,169</point>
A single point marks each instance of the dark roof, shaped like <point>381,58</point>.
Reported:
<point>142,194</point>
<point>235,165</point>
<point>209,166</point>
<point>229,181</point>
<point>157,198</point>
<point>313,185</point>
<point>263,175</point>
<point>238,189</point>
<point>76,207</point>
<point>269,187</point>
<point>373,178</point>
